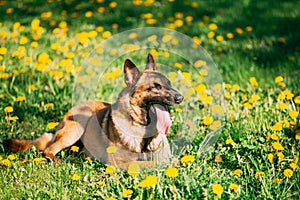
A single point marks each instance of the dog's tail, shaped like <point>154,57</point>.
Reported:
<point>42,142</point>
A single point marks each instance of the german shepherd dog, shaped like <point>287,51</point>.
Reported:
<point>136,124</point>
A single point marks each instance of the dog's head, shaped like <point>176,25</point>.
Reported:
<point>150,89</point>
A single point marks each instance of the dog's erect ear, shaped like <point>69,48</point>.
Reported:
<point>131,72</point>
<point>151,64</point>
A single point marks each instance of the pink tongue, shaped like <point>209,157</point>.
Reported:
<point>164,121</point>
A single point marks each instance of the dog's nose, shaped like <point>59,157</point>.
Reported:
<point>178,98</point>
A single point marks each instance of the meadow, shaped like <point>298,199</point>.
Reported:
<point>242,98</point>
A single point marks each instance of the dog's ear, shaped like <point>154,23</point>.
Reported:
<point>131,72</point>
<point>151,64</point>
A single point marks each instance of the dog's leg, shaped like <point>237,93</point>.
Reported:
<point>65,137</point>
<point>41,143</point>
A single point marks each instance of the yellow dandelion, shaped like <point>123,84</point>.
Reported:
<point>293,114</point>
<point>288,173</point>
<point>278,79</point>
<point>172,172</point>
<point>88,14</point>
<point>52,125</point>
<point>106,34</point>
<point>217,189</point>
<point>111,149</point>
<point>280,155</point>
<point>110,198</point>
<point>75,177</point>
<point>110,169</point>
<point>211,34</point>
<point>212,26</point>
<point>127,193</point>
<point>5,162</point>
<point>239,30</point>
<point>253,81</point>
<point>178,23</point>
<point>207,120</point>
<point>229,141</point>
<point>237,172</point>
<point>234,187</point>
<point>49,105</point>
<point>38,160</point>
<point>277,127</point>
<point>277,146</point>
<point>282,106</point>
<point>150,181</point>
<point>20,98</point>
<point>293,166</point>
<point>3,50</point>
<point>187,159</point>
<point>270,157</point>
<point>11,157</point>
<point>274,136</point>
<point>133,169</point>
<point>229,35</point>
<point>219,38</point>
<point>249,28</point>
<point>75,148</point>
<point>199,63</point>
<point>297,100</point>
<point>297,136</point>
<point>8,109</point>
<point>113,4</point>
<point>258,174</point>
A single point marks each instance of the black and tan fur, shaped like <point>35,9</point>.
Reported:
<point>125,124</point>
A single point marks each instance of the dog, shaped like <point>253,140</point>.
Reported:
<point>135,125</point>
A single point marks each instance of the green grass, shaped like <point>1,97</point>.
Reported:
<point>270,50</point>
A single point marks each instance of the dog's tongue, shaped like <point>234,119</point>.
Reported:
<point>164,121</point>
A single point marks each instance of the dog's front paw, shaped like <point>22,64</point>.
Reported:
<point>51,157</point>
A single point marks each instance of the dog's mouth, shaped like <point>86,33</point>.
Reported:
<point>163,116</point>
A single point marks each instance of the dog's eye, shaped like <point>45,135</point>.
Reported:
<point>157,86</point>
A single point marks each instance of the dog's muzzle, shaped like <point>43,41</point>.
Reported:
<point>178,98</point>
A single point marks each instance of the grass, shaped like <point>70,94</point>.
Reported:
<point>260,117</point>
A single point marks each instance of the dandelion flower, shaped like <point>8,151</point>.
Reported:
<point>229,141</point>
<point>75,148</point>
<point>277,127</point>
<point>234,187</point>
<point>110,198</point>
<point>297,100</point>
<point>253,81</point>
<point>150,181</point>
<point>297,136</point>
<point>212,26</point>
<point>75,177</point>
<point>111,149</point>
<point>133,169</point>
<point>293,165</point>
<point>187,159</point>
<point>52,125</point>
<point>274,136</point>
<point>208,120</point>
<point>5,162</point>
<point>172,172</point>
<point>11,157</point>
<point>288,173</point>
<point>278,79</point>
<point>8,109</point>
<point>277,146</point>
<point>258,174</point>
<point>127,193</point>
<point>217,189</point>
<point>270,157</point>
<point>237,172</point>
<point>293,114</point>
<point>280,156</point>
<point>110,169</point>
